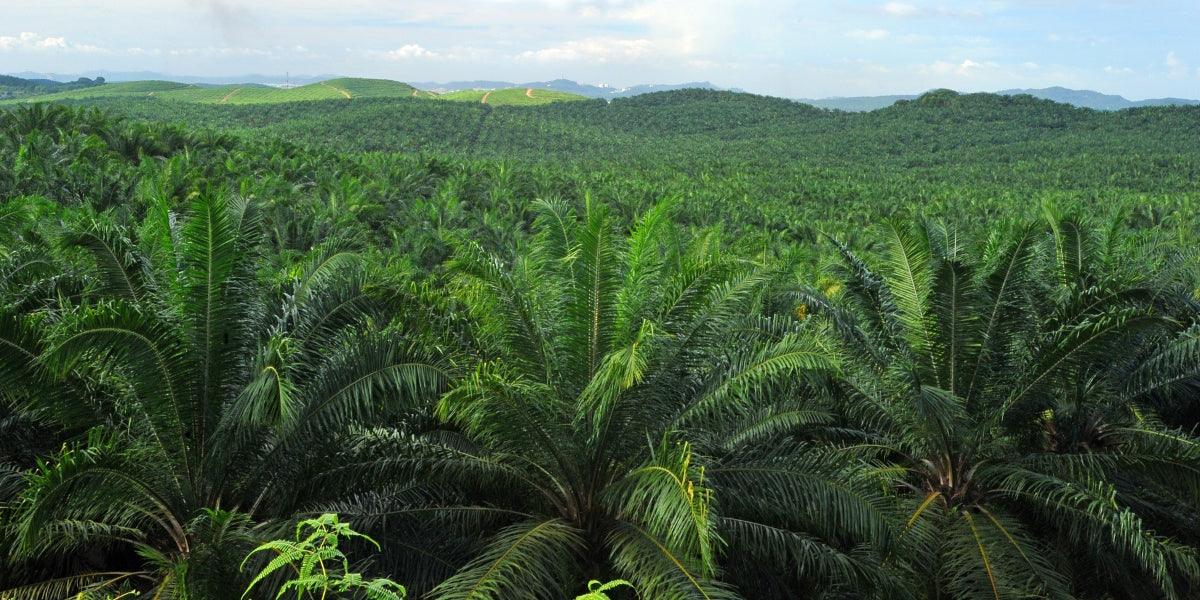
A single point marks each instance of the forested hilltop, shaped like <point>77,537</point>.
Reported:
<point>688,345</point>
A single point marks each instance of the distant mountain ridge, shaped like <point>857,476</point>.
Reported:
<point>857,103</point>
<point>119,76</point>
<point>1080,98</point>
<point>561,85</point>
<point>1096,100</point>
<point>565,85</point>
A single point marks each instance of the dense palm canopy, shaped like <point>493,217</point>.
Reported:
<point>592,437</point>
<point>206,340</point>
<point>210,401</point>
<point>1017,392</point>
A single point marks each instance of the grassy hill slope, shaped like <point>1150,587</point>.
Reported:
<point>333,89</point>
<point>512,96</point>
<point>346,88</point>
<point>110,90</point>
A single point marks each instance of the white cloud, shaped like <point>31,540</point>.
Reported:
<point>964,68</point>
<point>1111,70</point>
<point>1176,67</point>
<point>408,52</point>
<point>592,50</point>
<point>868,34</point>
<point>28,40</point>
<point>904,9</point>
<point>899,9</point>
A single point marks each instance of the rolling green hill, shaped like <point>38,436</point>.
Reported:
<point>345,88</point>
<point>333,89</point>
<point>17,87</point>
<point>109,90</point>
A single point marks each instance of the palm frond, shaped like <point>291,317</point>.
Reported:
<point>532,559</point>
<point>658,572</point>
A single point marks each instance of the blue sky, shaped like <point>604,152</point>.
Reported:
<point>795,48</point>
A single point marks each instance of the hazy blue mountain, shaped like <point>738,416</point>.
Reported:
<point>563,85</point>
<point>857,103</point>
<point>648,88</point>
<point>1080,98</point>
<point>156,76</point>
<point>454,86</point>
<point>1096,100</point>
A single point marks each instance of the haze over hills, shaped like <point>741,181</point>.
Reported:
<point>1079,98</point>
<point>1096,100</point>
<point>561,85</point>
<point>857,103</point>
<point>118,76</point>
<point>569,86</point>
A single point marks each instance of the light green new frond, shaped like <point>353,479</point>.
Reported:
<point>596,589</point>
<point>1070,249</point>
<point>644,263</point>
<point>509,414</point>
<point>659,572</point>
<point>591,307</point>
<point>910,279</point>
<point>669,500</point>
<point>502,302</point>
<point>211,253</point>
<point>269,398</point>
<point>620,370</point>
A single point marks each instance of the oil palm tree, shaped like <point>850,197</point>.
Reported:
<point>1014,390</point>
<point>214,398</point>
<point>593,438</point>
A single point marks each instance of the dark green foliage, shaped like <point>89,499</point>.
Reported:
<point>714,345</point>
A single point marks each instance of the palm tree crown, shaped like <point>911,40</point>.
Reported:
<point>1019,413</point>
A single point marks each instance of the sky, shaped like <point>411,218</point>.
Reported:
<point>791,48</point>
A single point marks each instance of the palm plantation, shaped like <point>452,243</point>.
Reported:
<point>237,368</point>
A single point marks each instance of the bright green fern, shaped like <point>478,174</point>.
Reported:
<point>321,569</point>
